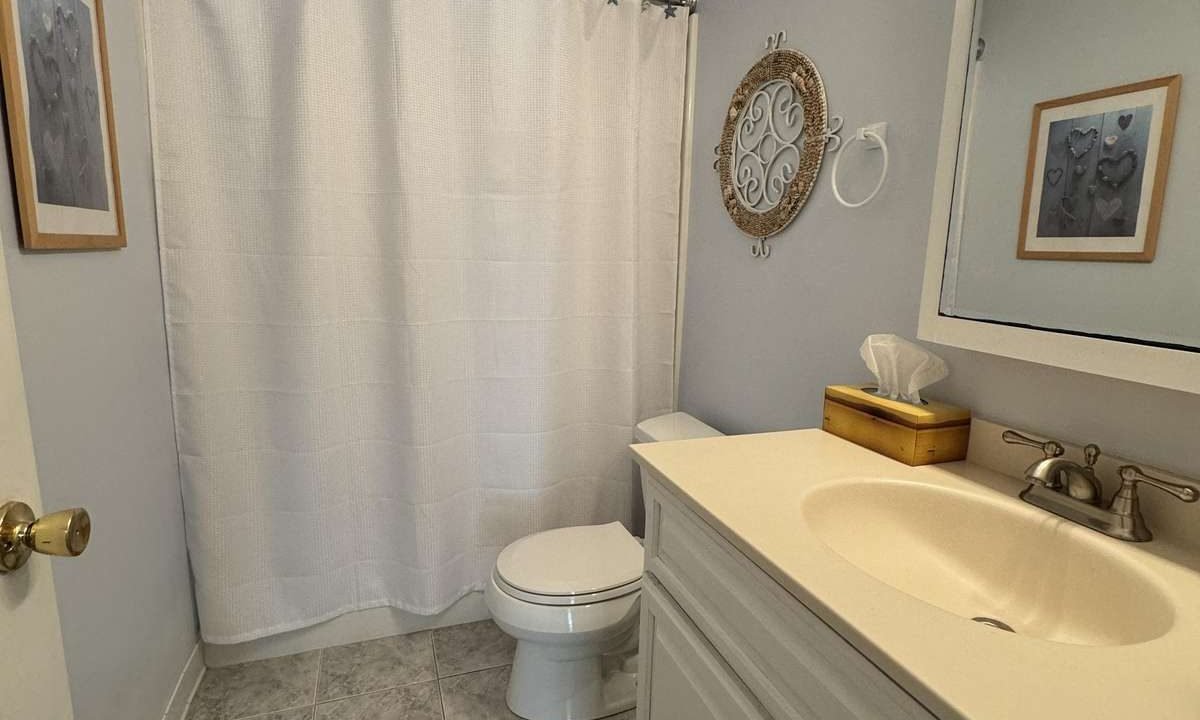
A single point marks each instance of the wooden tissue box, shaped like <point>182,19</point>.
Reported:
<point>915,435</point>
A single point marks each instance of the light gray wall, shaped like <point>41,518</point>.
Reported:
<point>762,339</point>
<point>93,350</point>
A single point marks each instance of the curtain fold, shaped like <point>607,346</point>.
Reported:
<point>419,266</point>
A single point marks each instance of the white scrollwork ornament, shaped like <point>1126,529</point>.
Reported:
<point>833,141</point>
<point>767,143</point>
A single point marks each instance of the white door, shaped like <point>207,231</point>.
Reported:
<point>34,681</point>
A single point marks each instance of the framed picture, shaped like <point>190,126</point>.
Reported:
<point>60,124</point>
<point>1097,172</point>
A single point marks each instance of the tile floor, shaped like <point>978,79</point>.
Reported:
<point>453,673</point>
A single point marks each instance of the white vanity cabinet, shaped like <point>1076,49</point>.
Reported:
<point>720,639</point>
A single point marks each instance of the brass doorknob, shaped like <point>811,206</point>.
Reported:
<point>64,533</point>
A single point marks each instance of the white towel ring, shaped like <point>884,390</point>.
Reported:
<point>862,134</point>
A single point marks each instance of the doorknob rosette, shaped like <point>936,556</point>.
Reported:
<point>65,533</point>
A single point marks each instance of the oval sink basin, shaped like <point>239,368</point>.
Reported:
<point>994,559</point>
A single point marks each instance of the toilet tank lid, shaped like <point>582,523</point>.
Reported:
<point>675,426</point>
<point>572,560</point>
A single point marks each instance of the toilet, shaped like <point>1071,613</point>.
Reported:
<point>571,598</point>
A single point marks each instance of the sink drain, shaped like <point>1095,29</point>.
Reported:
<point>993,622</point>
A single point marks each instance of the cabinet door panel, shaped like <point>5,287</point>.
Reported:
<point>682,678</point>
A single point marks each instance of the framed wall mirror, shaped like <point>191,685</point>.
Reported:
<point>1063,226</point>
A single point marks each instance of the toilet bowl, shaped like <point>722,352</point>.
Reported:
<point>571,598</point>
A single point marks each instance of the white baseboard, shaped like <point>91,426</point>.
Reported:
<point>349,628</point>
<point>189,680</point>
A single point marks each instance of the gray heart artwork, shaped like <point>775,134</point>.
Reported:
<point>1108,208</point>
<point>1053,175</point>
<point>1067,206</point>
<point>1079,149</point>
<point>1124,121</point>
<point>1115,171</point>
<point>65,130</point>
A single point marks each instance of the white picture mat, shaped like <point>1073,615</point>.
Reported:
<point>61,219</point>
<point>1156,97</point>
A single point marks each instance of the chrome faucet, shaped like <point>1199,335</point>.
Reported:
<point>1054,472</point>
<point>1072,491</point>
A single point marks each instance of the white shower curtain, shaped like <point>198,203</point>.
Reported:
<point>419,262</point>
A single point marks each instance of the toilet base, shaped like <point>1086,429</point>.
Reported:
<point>553,683</point>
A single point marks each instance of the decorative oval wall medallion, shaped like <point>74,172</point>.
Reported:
<point>776,131</point>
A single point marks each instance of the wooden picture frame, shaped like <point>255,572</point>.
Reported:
<point>60,124</point>
<point>1097,173</point>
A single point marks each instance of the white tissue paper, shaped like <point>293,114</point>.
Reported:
<point>901,368</point>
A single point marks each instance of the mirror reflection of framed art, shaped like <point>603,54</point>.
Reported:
<point>61,132</point>
<point>1097,173</point>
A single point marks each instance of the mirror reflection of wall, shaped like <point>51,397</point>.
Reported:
<point>1090,171</point>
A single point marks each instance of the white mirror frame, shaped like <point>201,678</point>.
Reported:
<point>1163,367</point>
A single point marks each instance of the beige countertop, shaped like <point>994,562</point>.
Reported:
<point>750,488</point>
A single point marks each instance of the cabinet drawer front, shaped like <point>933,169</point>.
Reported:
<point>793,662</point>
<point>682,678</point>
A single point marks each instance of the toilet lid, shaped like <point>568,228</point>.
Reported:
<point>572,560</point>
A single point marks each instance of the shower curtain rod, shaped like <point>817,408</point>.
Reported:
<point>671,4</point>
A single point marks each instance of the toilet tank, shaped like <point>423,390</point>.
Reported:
<point>676,426</point>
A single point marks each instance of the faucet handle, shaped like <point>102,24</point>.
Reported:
<point>1131,475</point>
<point>1051,448</point>
<point>1091,453</point>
